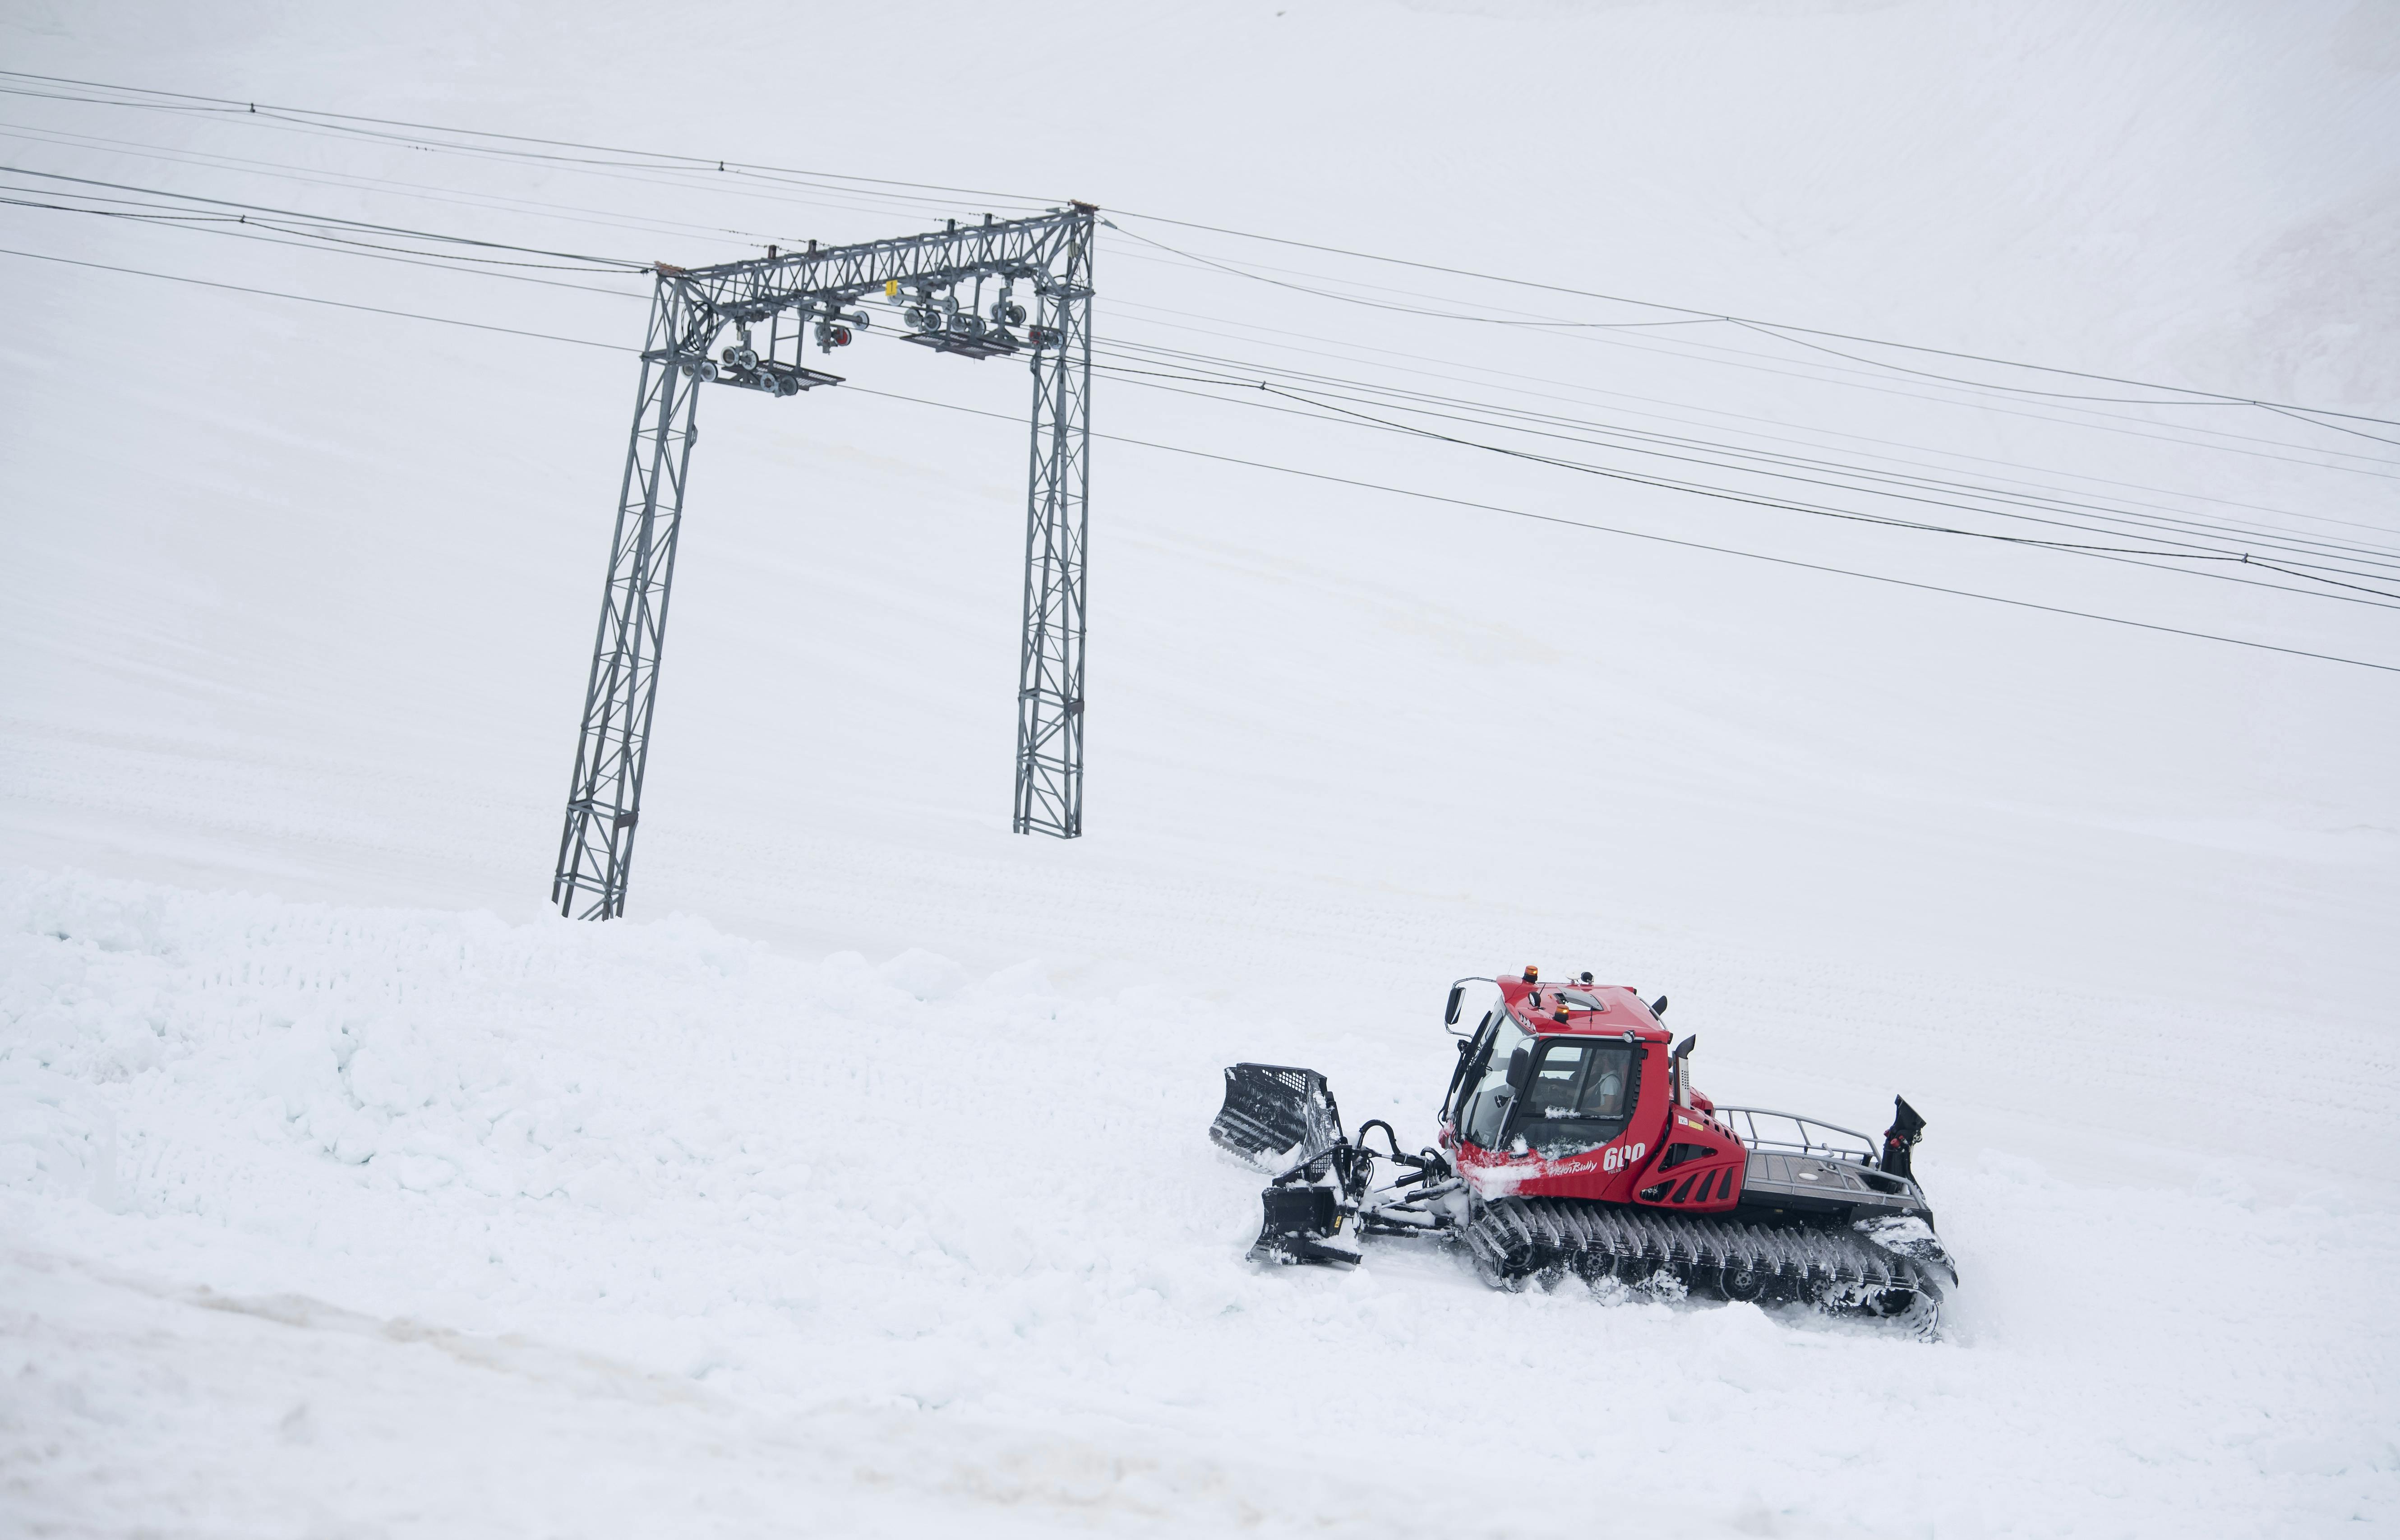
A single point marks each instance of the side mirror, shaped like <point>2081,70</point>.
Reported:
<point>1450,1013</point>
<point>1658,1006</point>
<point>1520,1066</point>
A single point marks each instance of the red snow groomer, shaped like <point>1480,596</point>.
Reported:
<point>1572,1143</point>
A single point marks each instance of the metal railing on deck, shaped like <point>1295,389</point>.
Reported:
<point>1791,1132</point>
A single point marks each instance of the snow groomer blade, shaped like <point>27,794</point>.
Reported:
<point>1276,1116</point>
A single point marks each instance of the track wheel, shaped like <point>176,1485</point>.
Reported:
<point>1495,1271</point>
<point>1741,1284</point>
<point>1890,1303</point>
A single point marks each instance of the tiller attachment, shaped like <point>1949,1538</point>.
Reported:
<point>1282,1120</point>
<point>1276,1117</point>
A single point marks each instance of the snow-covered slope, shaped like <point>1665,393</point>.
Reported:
<point>469,1228</point>
<point>858,1180</point>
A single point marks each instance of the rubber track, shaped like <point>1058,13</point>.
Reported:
<point>1516,1238</point>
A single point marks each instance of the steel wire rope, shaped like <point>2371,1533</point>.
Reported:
<point>228,105</point>
<point>598,264</point>
<point>2195,553</point>
<point>415,257</point>
<point>2214,529</point>
<point>2128,557</point>
<point>320,234</point>
<point>1760,461</point>
<point>1258,273</point>
<point>695,177</point>
<point>662,176</point>
<point>2188,553</point>
<point>1281,338</point>
<point>709,186</point>
<point>418,190</point>
<point>164,217</point>
<point>2299,416</point>
<point>2043,497</point>
<point>316,299</point>
<point>216,225</point>
<point>358,181</point>
<point>1492,414</point>
<point>1831,377</point>
<point>147,97</point>
<point>1754,321</point>
<point>2295,413</point>
<point>1536,321</point>
<point>2374,466</point>
<point>238,106</point>
<point>2216,440</point>
<point>1661,539</point>
<point>1313,475</point>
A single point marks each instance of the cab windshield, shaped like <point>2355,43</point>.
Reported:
<point>1485,1111</point>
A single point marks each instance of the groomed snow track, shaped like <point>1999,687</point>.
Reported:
<point>1514,1239</point>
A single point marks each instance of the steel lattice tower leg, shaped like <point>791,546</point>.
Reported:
<point>1050,672</point>
<point>595,853</point>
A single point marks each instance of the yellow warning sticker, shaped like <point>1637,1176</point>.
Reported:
<point>891,288</point>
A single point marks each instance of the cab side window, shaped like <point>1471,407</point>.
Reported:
<point>1580,1096</point>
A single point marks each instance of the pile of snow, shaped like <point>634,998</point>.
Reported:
<point>408,1222</point>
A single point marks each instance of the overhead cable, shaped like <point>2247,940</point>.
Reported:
<point>313,299</point>
<point>1713,453</point>
<point>148,96</point>
<point>1791,505</point>
<point>1664,539</point>
<point>1757,323</point>
<point>1326,477</point>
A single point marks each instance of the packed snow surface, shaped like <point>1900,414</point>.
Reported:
<point>857,1183</point>
<point>545,1228</point>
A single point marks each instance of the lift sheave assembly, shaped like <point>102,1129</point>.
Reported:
<point>747,324</point>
